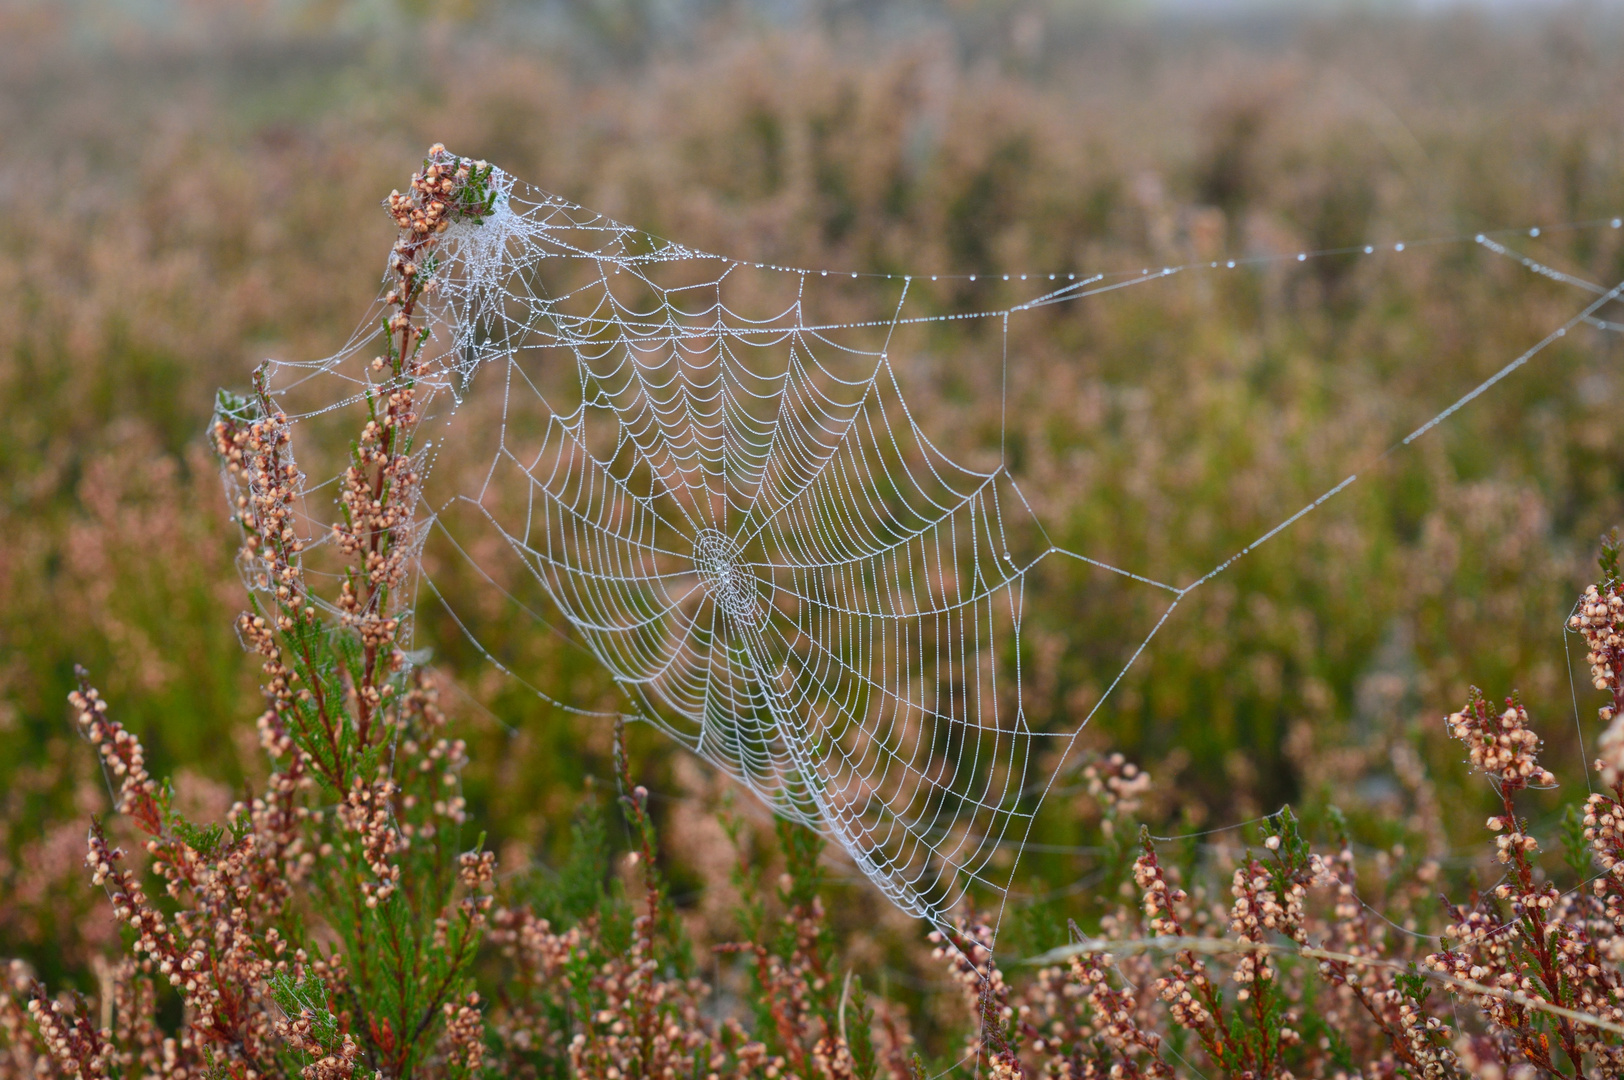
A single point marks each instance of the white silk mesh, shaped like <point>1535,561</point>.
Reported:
<point>709,470</point>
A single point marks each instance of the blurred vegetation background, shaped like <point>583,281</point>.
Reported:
<point>196,187</point>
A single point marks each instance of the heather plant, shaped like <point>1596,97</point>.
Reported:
<point>1299,975</point>
<point>334,924</point>
<point>331,924</point>
<point>361,804</point>
<point>329,931</point>
<point>104,500</point>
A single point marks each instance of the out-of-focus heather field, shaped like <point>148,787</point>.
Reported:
<point>184,198</point>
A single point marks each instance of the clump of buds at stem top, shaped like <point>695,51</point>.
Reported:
<point>1501,746</point>
<point>1187,989</point>
<point>367,812</point>
<point>1161,898</point>
<point>121,755</point>
<point>464,1037</point>
<point>447,189</point>
<point>69,1037</point>
<point>379,492</point>
<point>253,441</point>
<point>1536,945</point>
<point>1599,619</point>
<point>1118,785</point>
<point>1075,1016</point>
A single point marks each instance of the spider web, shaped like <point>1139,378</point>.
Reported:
<point>721,492</point>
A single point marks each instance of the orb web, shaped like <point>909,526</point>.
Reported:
<point>721,492</point>
<point>771,559</point>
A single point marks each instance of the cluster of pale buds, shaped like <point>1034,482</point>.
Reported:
<point>969,955</point>
<point>121,754</point>
<point>465,1032</point>
<point>1600,618</point>
<point>339,1065</point>
<point>71,1038</point>
<point>1116,1012</point>
<point>1610,751</point>
<point>367,811</point>
<point>1501,746</point>
<point>1256,911</point>
<point>1604,830</point>
<point>428,207</point>
<point>1159,897</point>
<point>1118,785</point>
<point>259,464</point>
<point>1179,990</point>
<point>477,869</point>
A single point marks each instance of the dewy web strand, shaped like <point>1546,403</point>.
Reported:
<point>724,497</point>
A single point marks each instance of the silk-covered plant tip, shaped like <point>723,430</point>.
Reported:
<point>341,923</point>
